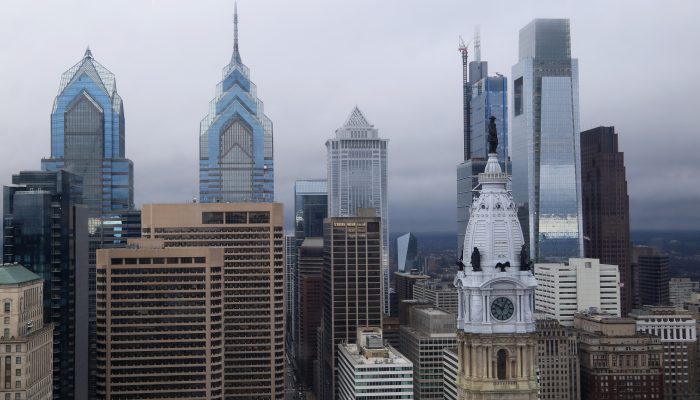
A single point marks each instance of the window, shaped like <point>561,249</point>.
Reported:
<point>7,306</point>
<point>236,218</point>
<point>518,96</point>
<point>212,218</point>
<point>501,360</point>
<point>259,217</point>
<point>7,320</point>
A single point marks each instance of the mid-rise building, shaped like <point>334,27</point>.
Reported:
<point>368,369</point>
<point>160,322</point>
<point>404,283</point>
<point>582,284</point>
<point>442,295</point>
<point>450,372</point>
<point>680,290</point>
<point>545,146</point>
<point>252,236</point>
<point>235,139</point>
<point>352,288</point>
<point>606,215</point>
<point>677,330</point>
<point>617,362</point>
<point>357,178</point>
<point>496,326</point>
<point>310,263</point>
<point>557,361</point>
<point>46,230</point>
<point>407,252</point>
<point>653,276</point>
<point>430,331</point>
<point>26,344</point>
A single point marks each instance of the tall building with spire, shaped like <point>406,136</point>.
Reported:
<point>495,323</point>
<point>88,139</point>
<point>484,97</point>
<point>235,139</point>
<point>545,148</point>
<point>357,178</point>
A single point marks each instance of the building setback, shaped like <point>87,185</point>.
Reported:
<point>617,363</point>
<point>582,284</point>
<point>606,219</point>
<point>545,146</point>
<point>46,229</point>
<point>26,342</point>
<point>430,331</point>
<point>678,333</point>
<point>352,288</point>
<point>405,281</point>
<point>159,322</point>
<point>557,361</point>
<point>235,139</point>
<point>252,236</point>
<point>368,369</point>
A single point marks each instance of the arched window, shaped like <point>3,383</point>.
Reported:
<point>501,360</point>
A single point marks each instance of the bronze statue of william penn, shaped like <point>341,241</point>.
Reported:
<point>493,135</point>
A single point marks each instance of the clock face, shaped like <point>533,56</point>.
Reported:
<point>502,308</point>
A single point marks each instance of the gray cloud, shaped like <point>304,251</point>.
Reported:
<point>314,60</point>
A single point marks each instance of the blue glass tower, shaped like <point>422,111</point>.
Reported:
<point>235,140</point>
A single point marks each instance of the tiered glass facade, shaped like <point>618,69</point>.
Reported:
<point>546,148</point>
<point>235,140</point>
<point>357,178</point>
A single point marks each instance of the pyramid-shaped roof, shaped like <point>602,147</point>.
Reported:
<point>96,71</point>
<point>357,119</point>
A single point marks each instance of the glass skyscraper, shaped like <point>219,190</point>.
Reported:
<point>407,252</point>
<point>310,208</point>
<point>545,140</point>
<point>88,139</point>
<point>45,229</point>
<point>357,178</point>
<point>235,140</point>
<point>484,97</point>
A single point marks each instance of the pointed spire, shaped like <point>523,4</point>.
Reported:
<point>88,53</point>
<point>357,119</point>
<point>236,55</point>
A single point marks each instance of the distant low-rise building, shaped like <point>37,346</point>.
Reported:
<point>368,369</point>
<point>26,343</point>
<point>681,289</point>
<point>617,362</point>
<point>677,330</point>
<point>582,284</point>
<point>440,294</point>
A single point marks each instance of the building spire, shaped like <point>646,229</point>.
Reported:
<point>88,53</point>
<point>236,55</point>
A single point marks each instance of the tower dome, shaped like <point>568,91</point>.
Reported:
<point>493,224</point>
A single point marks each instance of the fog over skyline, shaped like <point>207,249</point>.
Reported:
<point>313,61</point>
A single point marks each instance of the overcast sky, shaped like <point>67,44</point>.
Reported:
<point>312,61</point>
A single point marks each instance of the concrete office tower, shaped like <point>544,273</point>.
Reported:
<point>357,178</point>
<point>557,361</point>
<point>368,369</point>
<point>430,331</point>
<point>652,270</point>
<point>450,372</point>
<point>46,230</point>
<point>616,361</point>
<point>235,139</point>
<point>310,263</point>
<point>252,236</point>
<point>680,290</point>
<point>545,140</point>
<point>495,321</point>
<point>159,322</point>
<point>442,295</point>
<point>352,283</point>
<point>580,285</point>
<point>407,252</point>
<point>405,281</point>
<point>26,342</point>
<point>677,330</point>
<point>484,97</point>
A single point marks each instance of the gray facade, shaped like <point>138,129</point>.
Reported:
<point>546,155</point>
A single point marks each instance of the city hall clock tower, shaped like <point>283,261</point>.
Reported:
<point>495,323</point>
